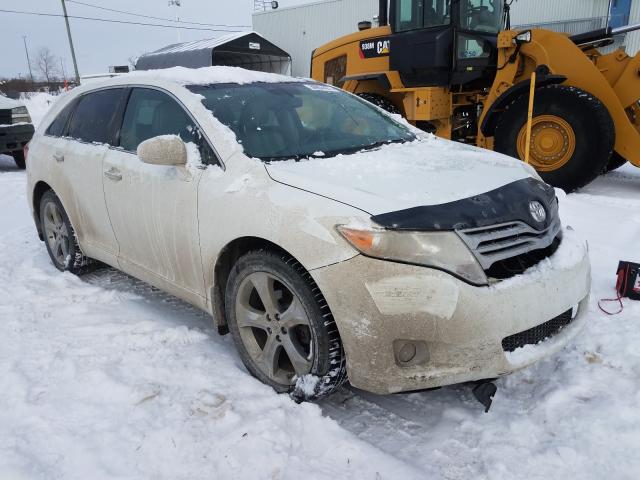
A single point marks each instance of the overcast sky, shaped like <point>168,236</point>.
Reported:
<point>98,44</point>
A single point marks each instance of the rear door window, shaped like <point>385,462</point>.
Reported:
<point>59,124</point>
<point>151,113</point>
<point>95,118</point>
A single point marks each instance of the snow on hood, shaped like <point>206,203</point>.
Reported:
<point>430,171</point>
<point>6,103</point>
<point>208,75</point>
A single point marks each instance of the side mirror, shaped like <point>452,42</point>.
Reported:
<point>163,150</point>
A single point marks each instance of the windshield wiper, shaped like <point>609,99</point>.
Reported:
<point>382,143</point>
<point>332,153</point>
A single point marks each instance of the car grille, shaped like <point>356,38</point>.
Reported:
<point>537,334</point>
<point>508,249</point>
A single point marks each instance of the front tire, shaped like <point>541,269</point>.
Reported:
<point>18,158</point>
<point>282,326</point>
<point>59,236</point>
<point>572,135</point>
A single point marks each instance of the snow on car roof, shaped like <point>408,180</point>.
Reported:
<point>208,75</point>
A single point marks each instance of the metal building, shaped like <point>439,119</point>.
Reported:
<point>301,29</point>
<point>243,49</point>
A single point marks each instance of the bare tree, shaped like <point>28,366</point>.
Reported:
<point>46,63</point>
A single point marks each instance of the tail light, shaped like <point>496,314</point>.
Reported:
<point>25,149</point>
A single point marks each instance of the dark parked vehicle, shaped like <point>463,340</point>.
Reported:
<point>16,129</point>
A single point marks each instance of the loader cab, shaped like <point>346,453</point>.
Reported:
<point>444,42</point>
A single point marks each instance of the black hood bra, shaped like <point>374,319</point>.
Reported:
<point>508,203</point>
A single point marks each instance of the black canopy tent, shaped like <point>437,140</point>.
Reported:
<point>243,49</point>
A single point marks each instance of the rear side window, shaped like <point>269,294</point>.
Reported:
<point>95,116</point>
<point>57,127</point>
<point>151,113</point>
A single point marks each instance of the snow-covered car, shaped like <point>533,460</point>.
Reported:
<point>332,240</point>
<point>16,129</point>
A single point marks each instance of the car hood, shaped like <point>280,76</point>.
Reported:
<point>430,171</point>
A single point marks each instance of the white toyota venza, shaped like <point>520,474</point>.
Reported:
<point>332,240</point>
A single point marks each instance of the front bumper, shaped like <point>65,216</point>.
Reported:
<point>15,137</point>
<point>458,328</point>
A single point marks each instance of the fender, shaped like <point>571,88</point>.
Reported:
<point>543,78</point>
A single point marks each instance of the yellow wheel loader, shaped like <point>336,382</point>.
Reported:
<point>457,69</point>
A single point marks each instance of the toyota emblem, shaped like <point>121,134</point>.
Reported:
<point>537,211</point>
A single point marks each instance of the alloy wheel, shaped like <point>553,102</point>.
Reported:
<point>274,327</point>
<point>56,232</point>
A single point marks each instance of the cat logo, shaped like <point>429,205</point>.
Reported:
<point>382,47</point>
<point>378,47</point>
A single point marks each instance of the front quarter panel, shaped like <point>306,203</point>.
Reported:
<point>243,201</point>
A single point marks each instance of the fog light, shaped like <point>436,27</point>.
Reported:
<point>407,352</point>
<point>410,352</point>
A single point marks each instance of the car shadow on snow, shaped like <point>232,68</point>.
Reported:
<point>7,164</point>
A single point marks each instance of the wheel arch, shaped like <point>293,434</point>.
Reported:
<point>40,188</point>
<point>227,258</point>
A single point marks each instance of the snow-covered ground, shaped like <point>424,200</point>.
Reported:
<point>105,377</point>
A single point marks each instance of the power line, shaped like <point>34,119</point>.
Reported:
<point>156,18</point>
<point>40,14</point>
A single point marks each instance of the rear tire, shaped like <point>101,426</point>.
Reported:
<point>379,101</point>
<point>282,326</point>
<point>572,137</point>
<point>18,157</point>
<point>60,237</point>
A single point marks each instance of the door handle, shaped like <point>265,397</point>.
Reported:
<point>113,174</point>
<point>58,157</point>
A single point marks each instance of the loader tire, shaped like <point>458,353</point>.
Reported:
<point>572,135</point>
<point>615,162</point>
<point>379,101</point>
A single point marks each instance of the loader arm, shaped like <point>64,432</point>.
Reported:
<point>586,70</point>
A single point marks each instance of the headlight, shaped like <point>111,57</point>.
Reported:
<point>441,250</point>
<point>524,37</point>
<point>20,115</point>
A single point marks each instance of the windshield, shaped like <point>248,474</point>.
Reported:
<point>481,15</point>
<point>277,121</point>
<point>414,14</point>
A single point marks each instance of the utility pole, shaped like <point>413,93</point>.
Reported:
<point>176,3</point>
<point>26,51</point>
<point>73,52</point>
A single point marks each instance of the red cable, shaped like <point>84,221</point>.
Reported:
<point>621,286</point>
